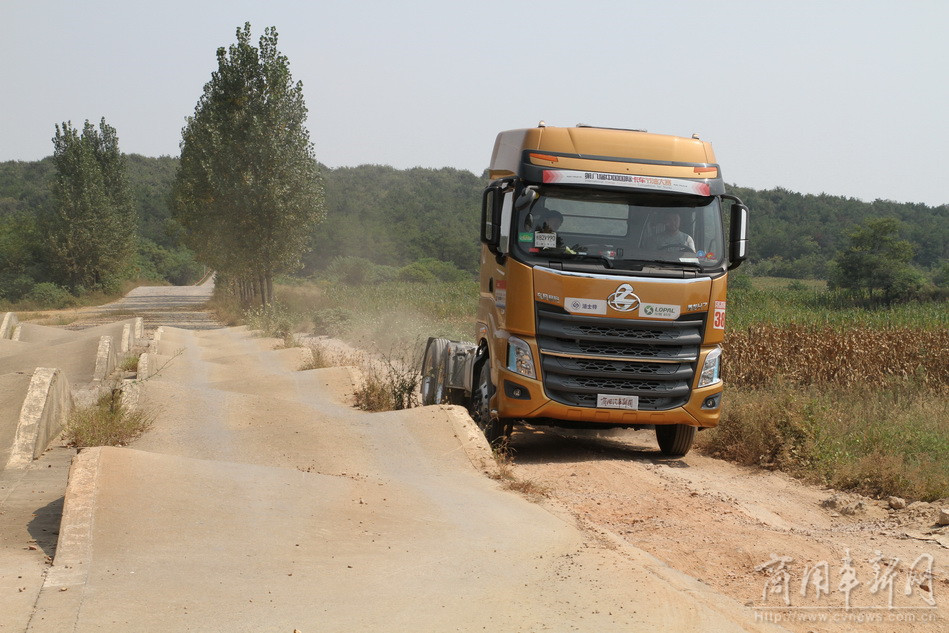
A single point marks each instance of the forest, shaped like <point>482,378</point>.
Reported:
<point>396,218</point>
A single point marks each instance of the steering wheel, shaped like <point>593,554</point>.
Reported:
<point>682,248</point>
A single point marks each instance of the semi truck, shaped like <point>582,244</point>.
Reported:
<point>604,263</point>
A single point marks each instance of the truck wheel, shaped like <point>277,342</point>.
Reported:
<point>494,430</point>
<point>433,371</point>
<point>675,440</point>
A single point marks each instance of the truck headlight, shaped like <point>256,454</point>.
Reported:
<point>710,368</point>
<point>519,358</point>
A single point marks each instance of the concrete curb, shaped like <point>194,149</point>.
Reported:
<point>131,333</point>
<point>43,415</point>
<point>126,343</point>
<point>6,326</point>
<point>156,340</point>
<point>105,359</point>
<point>57,608</point>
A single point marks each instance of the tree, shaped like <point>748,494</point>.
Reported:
<point>92,227</point>
<point>248,188</point>
<point>876,263</point>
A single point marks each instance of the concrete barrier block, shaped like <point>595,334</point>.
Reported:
<point>106,360</point>
<point>144,366</point>
<point>17,331</point>
<point>7,325</point>
<point>139,328</point>
<point>126,344</point>
<point>47,404</point>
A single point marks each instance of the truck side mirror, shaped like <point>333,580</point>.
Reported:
<point>491,217</point>
<point>738,241</point>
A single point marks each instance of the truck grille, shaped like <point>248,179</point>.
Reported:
<point>582,356</point>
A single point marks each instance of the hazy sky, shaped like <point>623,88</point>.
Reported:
<point>846,98</point>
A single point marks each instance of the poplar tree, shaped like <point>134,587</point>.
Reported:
<point>248,189</point>
<point>91,230</point>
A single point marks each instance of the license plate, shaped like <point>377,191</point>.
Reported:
<point>606,401</point>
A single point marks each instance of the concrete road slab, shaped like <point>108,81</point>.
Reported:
<point>76,359</point>
<point>166,543</point>
<point>261,501</point>
<point>12,348</point>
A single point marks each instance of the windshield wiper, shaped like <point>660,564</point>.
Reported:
<point>607,262</point>
<point>663,263</point>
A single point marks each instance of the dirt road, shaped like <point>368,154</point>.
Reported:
<point>724,524</point>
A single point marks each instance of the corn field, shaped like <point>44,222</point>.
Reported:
<point>814,355</point>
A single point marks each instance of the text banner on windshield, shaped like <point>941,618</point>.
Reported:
<point>676,185</point>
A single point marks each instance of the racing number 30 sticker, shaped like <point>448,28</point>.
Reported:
<point>718,319</point>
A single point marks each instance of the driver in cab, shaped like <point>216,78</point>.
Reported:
<point>671,237</point>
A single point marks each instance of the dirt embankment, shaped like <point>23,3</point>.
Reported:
<point>793,552</point>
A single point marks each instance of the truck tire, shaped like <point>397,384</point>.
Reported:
<point>675,440</point>
<point>434,372</point>
<point>494,430</point>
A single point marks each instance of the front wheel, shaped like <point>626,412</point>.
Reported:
<point>675,440</point>
<point>494,430</point>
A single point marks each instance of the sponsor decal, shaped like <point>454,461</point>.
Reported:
<point>608,401</point>
<point>693,307</point>
<point>718,318</point>
<point>500,294</point>
<point>623,300</point>
<point>545,240</point>
<point>543,296</point>
<point>584,306</point>
<point>678,185</point>
<point>659,311</point>
<point>525,236</point>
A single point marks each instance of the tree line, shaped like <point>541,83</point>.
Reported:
<point>394,217</point>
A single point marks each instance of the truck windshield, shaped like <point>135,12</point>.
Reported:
<point>621,230</point>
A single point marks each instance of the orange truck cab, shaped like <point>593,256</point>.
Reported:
<point>604,265</point>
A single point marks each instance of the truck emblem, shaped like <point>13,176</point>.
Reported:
<point>623,300</point>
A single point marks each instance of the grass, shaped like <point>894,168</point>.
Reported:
<point>390,381</point>
<point>802,304</point>
<point>886,439</point>
<point>107,423</point>
<point>320,358</point>
<point>91,298</point>
<point>56,318</point>
<point>505,475</point>
<point>130,363</point>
